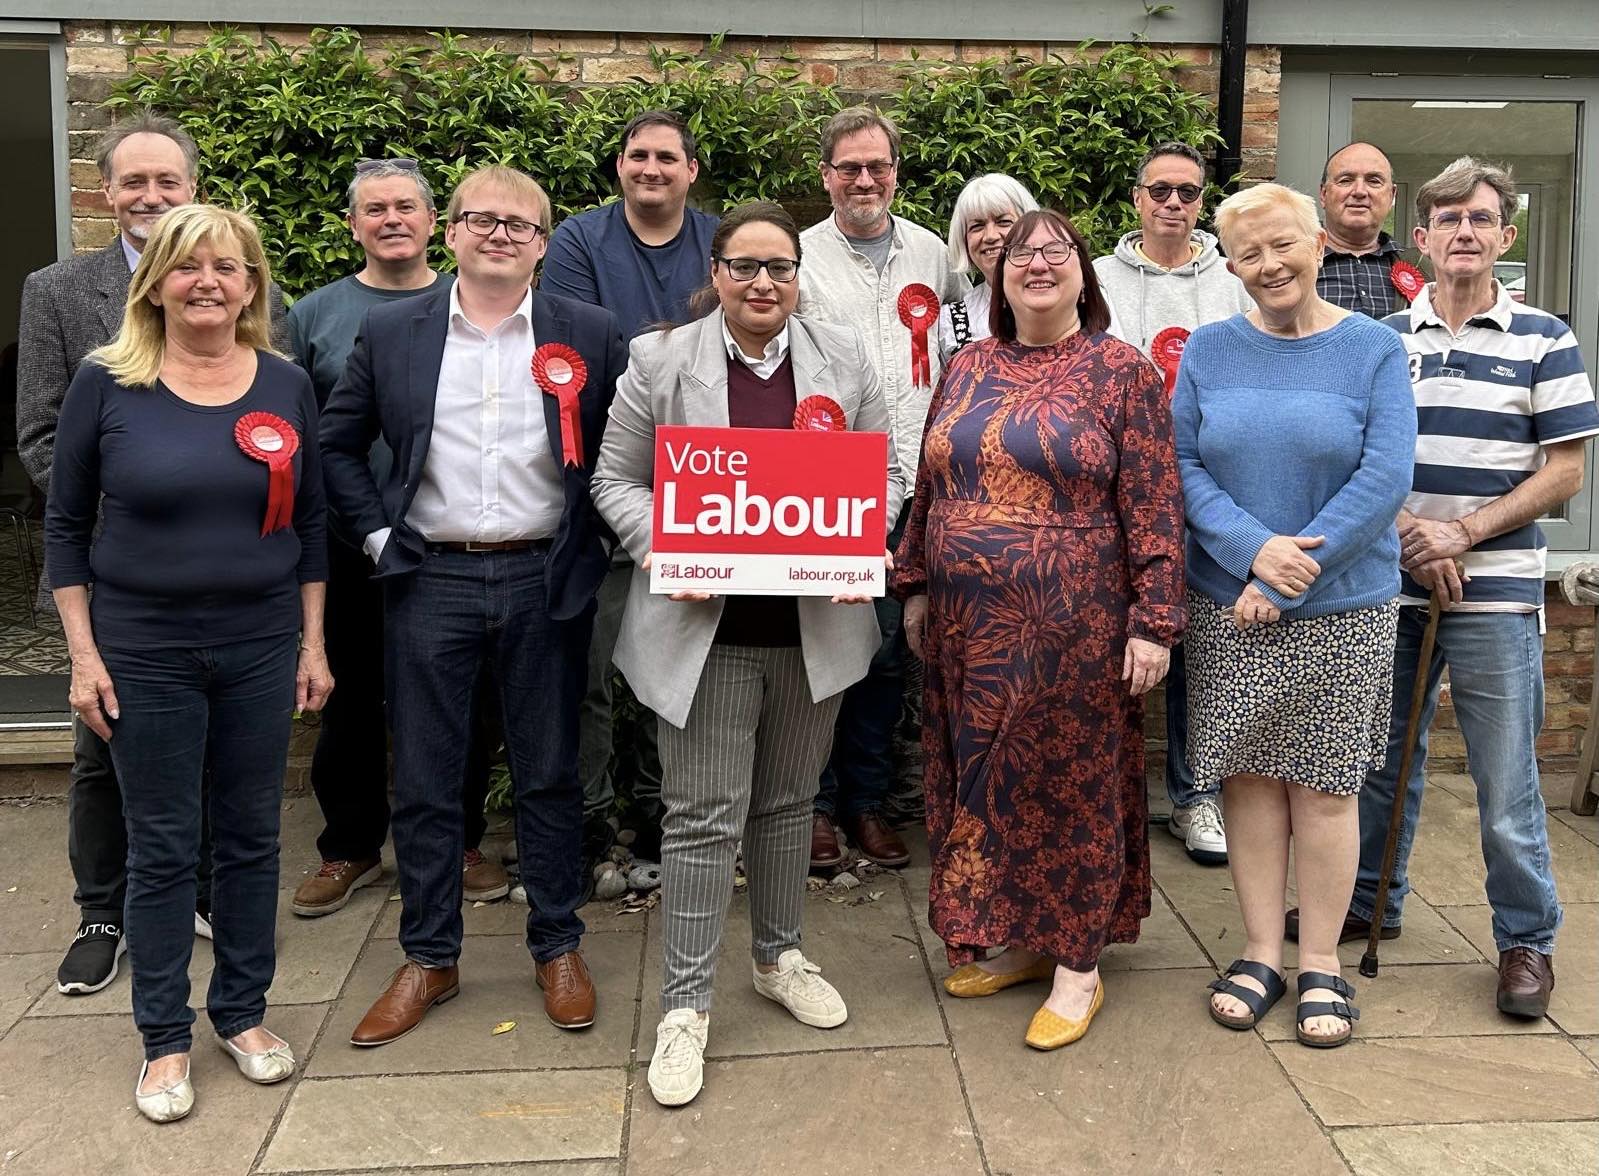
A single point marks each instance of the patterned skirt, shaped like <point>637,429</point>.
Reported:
<point>1307,701</point>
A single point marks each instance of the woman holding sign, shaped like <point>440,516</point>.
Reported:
<point>1293,590</point>
<point>747,687</point>
<point>199,445</point>
<point>1043,581</point>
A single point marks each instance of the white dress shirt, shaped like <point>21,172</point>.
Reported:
<point>771,359</point>
<point>490,475</point>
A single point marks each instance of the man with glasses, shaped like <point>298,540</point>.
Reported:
<point>1169,273</point>
<point>492,397</point>
<point>1357,267</point>
<point>858,263</point>
<point>1504,406</point>
<point>640,257</point>
<point>391,214</point>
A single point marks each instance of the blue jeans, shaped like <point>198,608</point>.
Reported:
<point>226,710</point>
<point>443,624</point>
<point>1495,665</point>
<point>1180,788</point>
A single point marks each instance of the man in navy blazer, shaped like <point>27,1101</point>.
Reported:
<point>490,551</point>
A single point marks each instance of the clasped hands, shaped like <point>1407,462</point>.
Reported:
<point>1429,551</point>
<point>1282,565</point>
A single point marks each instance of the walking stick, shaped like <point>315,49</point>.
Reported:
<point>1390,849</point>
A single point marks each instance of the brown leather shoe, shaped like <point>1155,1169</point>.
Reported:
<point>1526,978</point>
<point>411,992</point>
<point>1355,929</point>
<point>330,888</point>
<point>824,843</point>
<point>876,841</point>
<point>568,991</point>
<point>483,880</point>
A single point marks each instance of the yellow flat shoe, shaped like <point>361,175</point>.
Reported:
<point>1049,1031</point>
<point>969,980</point>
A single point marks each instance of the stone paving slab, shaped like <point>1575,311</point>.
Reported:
<point>1574,1003</point>
<point>537,1168</point>
<point>400,1121</point>
<point>23,979</point>
<point>1510,1149</point>
<point>892,1112</point>
<point>1589,1046</point>
<point>36,908</point>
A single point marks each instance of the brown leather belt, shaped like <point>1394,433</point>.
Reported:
<point>476,548</point>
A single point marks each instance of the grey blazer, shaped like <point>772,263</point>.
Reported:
<point>680,378</point>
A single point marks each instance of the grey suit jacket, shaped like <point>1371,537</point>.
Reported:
<point>680,378</point>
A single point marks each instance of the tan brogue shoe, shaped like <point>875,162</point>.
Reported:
<point>568,991</point>
<point>411,992</point>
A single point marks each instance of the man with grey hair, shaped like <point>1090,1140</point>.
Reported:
<point>858,262</point>
<point>392,215</point>
<point>147,165</point>
<point>1504,406</point>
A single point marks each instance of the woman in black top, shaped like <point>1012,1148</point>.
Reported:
<point>199,446</point>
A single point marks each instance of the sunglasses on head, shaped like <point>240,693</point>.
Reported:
<point>366,165</point>
<point>1160,191</point>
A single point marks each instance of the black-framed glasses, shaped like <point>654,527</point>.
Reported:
<point>1482,220</point>
<point>744,269</point>
<point>483,224</point>
<point>1160,191</point>
<point>362,166</point>
<point>1056,253</point>
<point>878,169</point>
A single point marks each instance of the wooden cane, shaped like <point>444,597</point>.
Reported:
<point>1396,817</point>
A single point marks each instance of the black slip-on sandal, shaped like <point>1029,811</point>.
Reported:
<point>1324,1008</point>
<point>1259,1004</point>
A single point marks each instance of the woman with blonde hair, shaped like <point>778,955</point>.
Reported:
<point>1292,591</point>
<point>198,444</point>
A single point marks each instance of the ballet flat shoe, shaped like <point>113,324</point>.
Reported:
<point>1049,1031</point>
<point>266,1067</point>
<point>168,1104</point>
<point>969,980</point>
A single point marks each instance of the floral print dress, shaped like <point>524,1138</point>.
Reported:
<point>1046,531</point>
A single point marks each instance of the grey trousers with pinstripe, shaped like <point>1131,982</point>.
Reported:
<point>747,761</point>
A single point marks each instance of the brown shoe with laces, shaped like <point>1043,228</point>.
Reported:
<point>876,841</point>
<point>568,991</point>
<point>411,992</point>
<point>1526,978</point>
<point>331,887</point>
<point>483,880</point>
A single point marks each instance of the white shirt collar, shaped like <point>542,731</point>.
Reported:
<point>524,309</point>
<point>130,253</point>
<point>768,362</point>
<point>1499,314</point>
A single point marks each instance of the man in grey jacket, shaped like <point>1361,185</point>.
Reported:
<point>147,166</point>
<point>1169,274</point>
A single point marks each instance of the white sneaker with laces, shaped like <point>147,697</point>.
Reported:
<point>1199,827</point>
<point>677,1069</point>
<point>798,986</point>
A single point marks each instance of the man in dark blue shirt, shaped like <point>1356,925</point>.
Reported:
<point>640,257</point>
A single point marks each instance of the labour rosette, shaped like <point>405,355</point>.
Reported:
<point>1407,279</point>
<point>918,310</point>
<point>559,371</point>
<point>1167,351</point>
<point>820,414</point>
<point>271,439</point>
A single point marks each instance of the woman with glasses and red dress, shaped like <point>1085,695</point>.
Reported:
<point>1042,575</point>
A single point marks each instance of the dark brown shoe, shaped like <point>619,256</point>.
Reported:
<point>1526,978</point>
<point>824,843</point>
<point>483,880</point>
<point>412,991</point>
<point>568,991</point>
<point>1355,929</point>
<point>330,888</point>
<point>876,841</point>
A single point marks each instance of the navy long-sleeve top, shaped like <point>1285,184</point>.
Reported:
<point>181,561</point>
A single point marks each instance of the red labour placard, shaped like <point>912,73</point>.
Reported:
<point>769,512</point>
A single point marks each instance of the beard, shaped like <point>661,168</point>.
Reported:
<point>141,229</point>
<point>861,215</point>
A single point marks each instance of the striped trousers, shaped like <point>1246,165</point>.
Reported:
<point>747,761</point>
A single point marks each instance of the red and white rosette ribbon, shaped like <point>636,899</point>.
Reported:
<point>918,310</point>
<point>821,414</point>
<point>1407,279</point>
<point>271,439</point>
<point>560,372</point>
<point>1167,351</point>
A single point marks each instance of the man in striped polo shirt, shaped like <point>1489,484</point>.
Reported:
<point>1503,405</point>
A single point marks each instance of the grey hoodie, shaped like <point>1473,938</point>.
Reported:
<point>1147,299</point>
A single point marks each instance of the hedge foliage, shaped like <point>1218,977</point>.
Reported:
<point>280,128</point>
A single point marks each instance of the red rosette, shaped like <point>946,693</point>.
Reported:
<point>268,438</point>
<point>1407,279</point>
<point>1166,349</point>
<point>918,310</point>
<point>821,414</point>
<point>559,371</point>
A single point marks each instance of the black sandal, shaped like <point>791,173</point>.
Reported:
<point>1259,1004</point>
<point>1324,1008</point>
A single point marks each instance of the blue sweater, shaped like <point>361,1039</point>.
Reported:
<point>1313,436</point>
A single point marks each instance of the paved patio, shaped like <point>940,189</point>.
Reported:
<point>1436,1080</point>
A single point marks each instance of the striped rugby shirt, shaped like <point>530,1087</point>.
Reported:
<point>1487,401</point>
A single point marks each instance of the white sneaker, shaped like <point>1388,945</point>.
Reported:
<point>677,1069</point>
<point>798,986</point>
<point>1199,827</point>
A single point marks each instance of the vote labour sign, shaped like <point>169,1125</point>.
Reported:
<point>769,512</point>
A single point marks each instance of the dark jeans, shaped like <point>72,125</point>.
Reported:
<point>597,752</point>
<point>1180,789</point>
<point>444,623</point>
<point>350,769</point>
<point>226,709</point>
<point>861,769</point>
